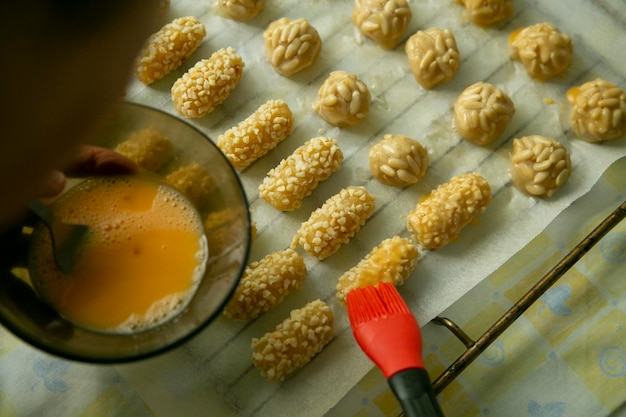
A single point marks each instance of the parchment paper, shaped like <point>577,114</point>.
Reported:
<point>213,374</point>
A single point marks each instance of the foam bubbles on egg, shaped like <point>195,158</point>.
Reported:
<point>141,263</point>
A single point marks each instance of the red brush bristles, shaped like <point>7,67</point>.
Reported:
<point>385,328</point>
<point>371,302</point>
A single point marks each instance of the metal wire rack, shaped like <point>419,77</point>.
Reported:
<point>475,347</point>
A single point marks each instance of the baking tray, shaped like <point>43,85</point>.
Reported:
<point>214,370</point>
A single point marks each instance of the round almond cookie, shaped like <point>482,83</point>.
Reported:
<point>543,50</point>
<point>598,111</point>
<point>398,160</point>
<point>539,165</point>
<point>482,112</point>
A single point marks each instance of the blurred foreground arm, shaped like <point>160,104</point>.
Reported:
<point>65,63</point>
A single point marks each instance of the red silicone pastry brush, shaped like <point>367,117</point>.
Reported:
<point>389,335</point>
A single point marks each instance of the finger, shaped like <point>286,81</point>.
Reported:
<point>53,184</point>
<point>94,160</point>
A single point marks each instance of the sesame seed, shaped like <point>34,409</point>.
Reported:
<point>598,111</point>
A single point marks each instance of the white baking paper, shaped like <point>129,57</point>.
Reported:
<point>212,375</point>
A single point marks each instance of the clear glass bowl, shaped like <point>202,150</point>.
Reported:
<point>28,317</point>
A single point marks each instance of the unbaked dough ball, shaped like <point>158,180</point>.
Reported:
<point>543,50</point>
<point>240,10</point>
<point>433,56</point>
<point>482,112</point>
<point>343,99</point>
<point>539,165</point>
<point>291,45</point>
<point>383,21</point>
<point>487,13</point>
<point>598,111</point>
<point>398,160</point>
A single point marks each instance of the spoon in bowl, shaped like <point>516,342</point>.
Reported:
<point>65,237</point>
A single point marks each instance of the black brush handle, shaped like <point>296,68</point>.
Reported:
<point>412,387</point>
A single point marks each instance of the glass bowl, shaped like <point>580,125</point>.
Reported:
<point>228,234</point>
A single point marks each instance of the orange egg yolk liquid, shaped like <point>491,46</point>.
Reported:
<point>139,265</point>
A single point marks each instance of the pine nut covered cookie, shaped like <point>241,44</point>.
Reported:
<point>539,165</point>
<point>343,99</point>
<point>240,10</point>
<point>433,56</point>
<point>383,21</point>
<point>291,45</point>
<point>398,160</point>
<point>482,112</point>
<point>485,13</point>
<point>598,111</point>
<point>543,50</point>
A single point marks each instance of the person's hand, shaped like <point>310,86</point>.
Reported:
<point>88,161</point>
<point>64,67</point>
